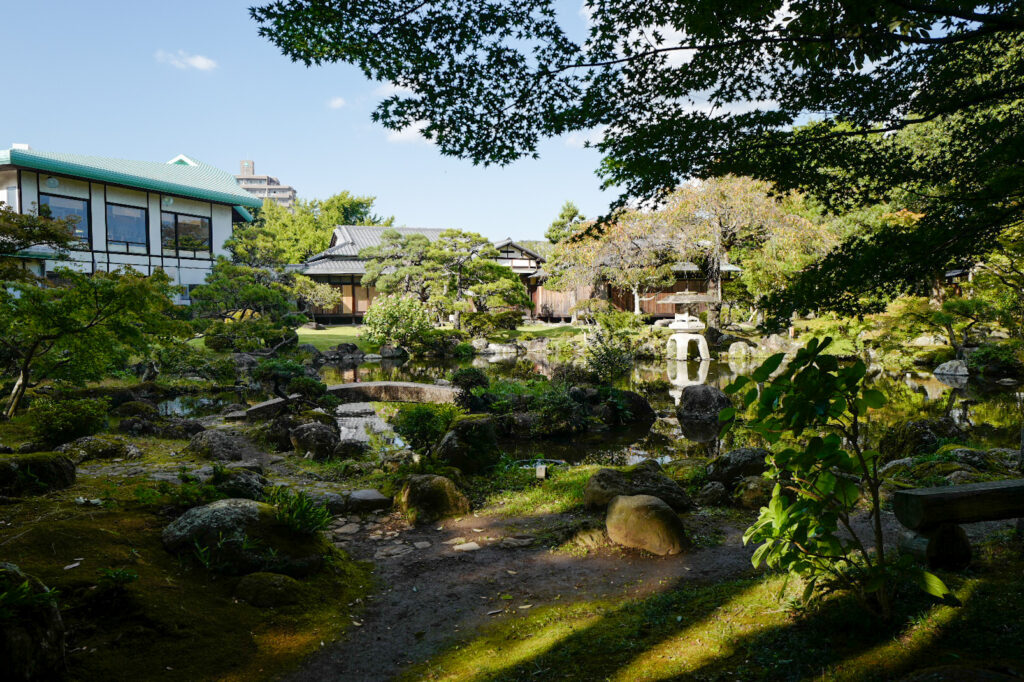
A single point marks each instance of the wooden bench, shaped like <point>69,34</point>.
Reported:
<point>933,517</point>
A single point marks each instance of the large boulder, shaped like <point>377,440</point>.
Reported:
<point>314,440</point>
<point>701,402</point>
<point>955,368</point>
<point>917,437</point>
<point>740,350</point>
<point>426,497</point>
<point>32,642</point>
<point>712,494</point>
<point>647,523</point>
<point>238,536</point>
<point>736,464</point>
<point>268,590</point>
<point>35,474</point>
<point>349,447</point>
<point>222,446</point>
<point>470,445</point>
<point>100,447</point>
<point>172,427</point>
<point>242,483</point>
<point>646,478</point>
<point>639,407</point>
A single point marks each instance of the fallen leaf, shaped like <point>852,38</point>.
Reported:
<point>74,565</point>
<point>494,613</point>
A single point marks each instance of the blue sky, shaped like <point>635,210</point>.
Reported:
<point>147,80</point>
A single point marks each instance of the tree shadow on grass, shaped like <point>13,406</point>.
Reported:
<point>739,630</point>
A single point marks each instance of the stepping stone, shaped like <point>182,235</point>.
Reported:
<point>367,500</point>
<point>517,541</point>
<point>423,544</point>
<point>466,547</point>
<point>348,529</point>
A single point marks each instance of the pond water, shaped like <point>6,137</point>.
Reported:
<point>990,413</point>
<point>202,405</point>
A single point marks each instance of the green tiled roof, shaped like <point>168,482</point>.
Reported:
<point>190,178</point>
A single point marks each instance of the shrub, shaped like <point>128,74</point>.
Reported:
<point>996,360</point>
<point>113,580</point>
<point>572,374</point>
<point>442,342</point>
<point>653,387</point>
<point>243,336</point>
<point>487,323</point>
<point>463,351</point>
<point>59,421</point>
<point>557,413</point>
<point>183,359</point>
<point>18,596</point>
<point>298,511</point>
<point>423,426</point>
<point>465,380</point>
<point>609,355</point>
<point>398,320</point>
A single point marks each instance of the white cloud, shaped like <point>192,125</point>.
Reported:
<point>184,60</point>
<point>389,89</point>
<point>584,138</point>
<point>411,133</point>
<point>336,103</point>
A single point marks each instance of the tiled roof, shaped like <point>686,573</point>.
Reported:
<point>182,177</point>
<point>507,241</point>
<point>349,240</point>
<point>336,266</point>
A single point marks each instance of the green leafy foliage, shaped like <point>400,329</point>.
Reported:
<point>487,323</point>
<point>18,597</point>
<point>423,426</point>
<point>298,511</point>
<point>183,359</point>
<point>247,335</point>
<point>807,528</point>
<point>397,320</point>
<point>59,421</point>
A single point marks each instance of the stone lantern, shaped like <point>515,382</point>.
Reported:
<point>687,327</point>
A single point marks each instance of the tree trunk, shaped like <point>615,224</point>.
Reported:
<point>20,386</point>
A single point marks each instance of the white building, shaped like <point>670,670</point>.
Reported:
<point>264,186</point>
<point>175,215</point>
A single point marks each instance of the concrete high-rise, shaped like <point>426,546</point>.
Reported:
<point>264,186</point>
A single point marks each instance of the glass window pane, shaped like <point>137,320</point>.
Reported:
<point>193,233</point>
<point>167,236</point>
<point>66,207</point>
<point>126,225</point>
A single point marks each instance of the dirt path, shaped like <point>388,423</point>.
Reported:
<point>433,594</point>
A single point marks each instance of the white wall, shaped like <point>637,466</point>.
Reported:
<point>183,271</point>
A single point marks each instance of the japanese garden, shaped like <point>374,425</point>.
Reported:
<point>760,419</point>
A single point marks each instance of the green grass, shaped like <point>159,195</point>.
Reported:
<point>536,331</point>
<point>518,492</point>
<point>324,339</point>
<point>739,629</point>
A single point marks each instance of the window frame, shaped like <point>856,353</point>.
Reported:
<point>85,241</point>
<point>126,245</point>
<point>177,232</point>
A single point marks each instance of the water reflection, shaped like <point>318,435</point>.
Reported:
<point>911,396</point>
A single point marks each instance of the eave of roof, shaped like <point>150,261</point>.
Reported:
<point>198,181</point>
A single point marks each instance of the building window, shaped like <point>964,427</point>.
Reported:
<point>61,208</point>
<point>187,236</point>
<point>127,227</point>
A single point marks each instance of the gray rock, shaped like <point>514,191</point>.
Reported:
<point>335,503</point>
<point>740,350</point>
<point>753,492</point>
<point>957,368</point>
<point>242,483</point>
<point>639,407</point>
<point>35,474</point>
<point>243,536</point>
<point>646,478</point>
<point>713,494</point>
<point>392,352</point>
<point>479,344</point>
<point>736,464</point>
<point>100,447</point>
<point>31,645</point>
<point>314,440</point>
<point>701,402</point>
<point>645,522</point>
<point>372,357</point>
<point>471,444</point>
<point>222,446</point>
<point>368,500</point>
<point>351,448</point>
<point>896,464</point>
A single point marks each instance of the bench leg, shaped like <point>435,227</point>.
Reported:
<point>945,546</point>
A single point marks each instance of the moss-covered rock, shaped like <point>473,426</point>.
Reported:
<point>32,639</point>
<point>471,444</point>
<point>753,492</point>
<point>268,590</point>
<point>136,408</point>
<point>238,536</point>
<point>425,498</point>
<point>917,437</point>
<point>35,474</point>
<point>240,483</point>
<point>222,445</point>
<point>646,478</point>
<point>100,447</point>
<point>314,440</point>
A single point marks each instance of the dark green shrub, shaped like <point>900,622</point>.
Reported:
<point>183,359</point>
<point>996,360</point>
<point>114,580</point>
<point>571,374</point>
<point>441,342</point>
<point>243,336</point>
<point>463,351</point>
<point>298,511</point>
<point>423,426</point>
<point>653,388</point>
<point>465,380</point>
<point>557,413</point>
<point>609,355</point>
<point>59,421</point>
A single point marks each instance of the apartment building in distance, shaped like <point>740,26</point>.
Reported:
<point>264,186</point>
